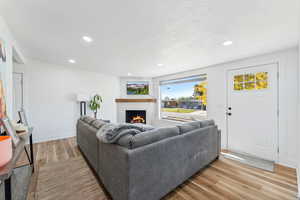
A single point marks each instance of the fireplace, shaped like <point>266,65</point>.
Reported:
<point>136,116</point>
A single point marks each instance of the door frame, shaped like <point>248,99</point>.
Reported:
<point>277,103</point>
<point>22,87</point>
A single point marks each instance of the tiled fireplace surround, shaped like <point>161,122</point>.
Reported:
<point>124,105</point>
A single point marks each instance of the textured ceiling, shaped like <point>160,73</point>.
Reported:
<point>136,35</point>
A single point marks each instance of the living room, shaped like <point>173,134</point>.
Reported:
<point>215,85</point>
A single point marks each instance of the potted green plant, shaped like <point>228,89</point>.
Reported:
<point>95,104</point>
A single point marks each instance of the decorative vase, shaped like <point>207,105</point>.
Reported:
<point>5,149</point>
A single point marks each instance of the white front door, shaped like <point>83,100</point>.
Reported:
<point>252,111</point>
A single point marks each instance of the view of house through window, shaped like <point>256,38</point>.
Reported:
<point>184,99</point>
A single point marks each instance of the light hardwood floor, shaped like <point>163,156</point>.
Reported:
<point>62,174</point>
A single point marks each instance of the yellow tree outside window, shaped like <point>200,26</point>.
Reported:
<point>200,92</point>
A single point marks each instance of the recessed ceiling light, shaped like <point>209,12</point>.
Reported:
<point>72,61</point>
<point>87,39</point>
<point>227,43</point>
<point>129,74</point>
<point>160,65</point>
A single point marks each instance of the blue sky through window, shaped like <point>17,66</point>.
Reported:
<point>178,90</point>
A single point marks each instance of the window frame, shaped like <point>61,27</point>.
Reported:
<point>178,81</point>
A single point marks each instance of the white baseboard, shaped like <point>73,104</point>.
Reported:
<point>51,138</point>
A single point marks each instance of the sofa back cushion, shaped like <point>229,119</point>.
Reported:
<point>205,123</point>
<point>147,137</point>
<point>189,126</point>
<point>98,123</point>
<point>125,141</point>
<point>87,119</point>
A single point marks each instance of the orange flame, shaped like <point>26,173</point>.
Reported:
<point>138,119</point>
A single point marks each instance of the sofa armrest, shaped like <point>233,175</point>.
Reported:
<point>113,169</point>
<point>155,168</point>
<point>87,141</point>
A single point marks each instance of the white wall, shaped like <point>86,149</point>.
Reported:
<point>288,64</point>
<point>50,97</point>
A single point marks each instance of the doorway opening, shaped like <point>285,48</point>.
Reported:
<point>18,94</point>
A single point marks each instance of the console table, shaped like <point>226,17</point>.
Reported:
<point>23,173</point>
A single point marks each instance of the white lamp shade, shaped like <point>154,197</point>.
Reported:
<point>82,97</point>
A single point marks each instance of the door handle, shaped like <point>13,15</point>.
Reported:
<point>228,113</point>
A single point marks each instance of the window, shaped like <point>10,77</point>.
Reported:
<point>184,99</point>
<point>251,81</point>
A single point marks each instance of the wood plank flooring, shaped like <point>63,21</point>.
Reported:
<point>62,174</point>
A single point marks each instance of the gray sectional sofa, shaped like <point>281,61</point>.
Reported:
<point>149,165</point>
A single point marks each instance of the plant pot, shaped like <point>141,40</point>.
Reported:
<point>5,149</point>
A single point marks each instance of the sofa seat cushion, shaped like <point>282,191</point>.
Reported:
<point>147,137</point>
<point>189,126</point>
<point>205,123</point>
